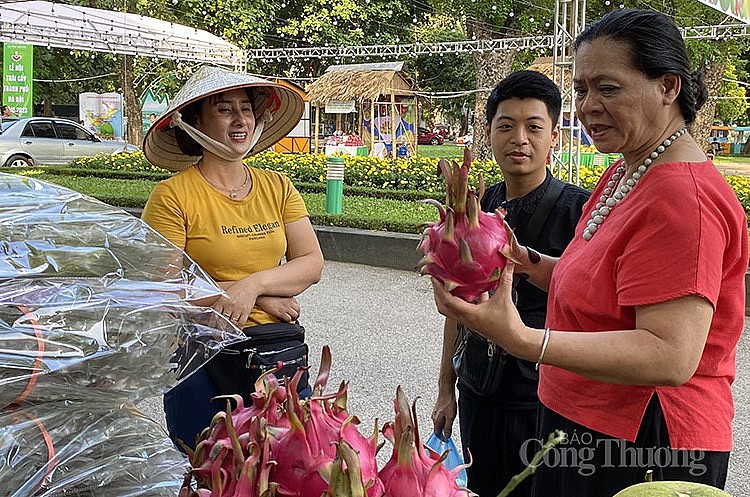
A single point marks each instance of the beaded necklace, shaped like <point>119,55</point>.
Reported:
<point>611,196</point>
<point>232,191</point>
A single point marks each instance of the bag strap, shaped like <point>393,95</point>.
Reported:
<point>543,210</point>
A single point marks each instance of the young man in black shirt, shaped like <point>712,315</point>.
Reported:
<point>497,398</point>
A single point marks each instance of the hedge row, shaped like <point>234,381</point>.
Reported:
<point>127,179</point>
<point>416,173</point>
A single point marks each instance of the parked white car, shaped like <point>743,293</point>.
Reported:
<point>51,141</point>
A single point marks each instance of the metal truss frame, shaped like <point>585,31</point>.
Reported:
<point>716,32</point>
<point>413,49</point>
<point>570,20</point>
<point>68,26</point>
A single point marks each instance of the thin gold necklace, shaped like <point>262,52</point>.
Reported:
<point>232,191</point>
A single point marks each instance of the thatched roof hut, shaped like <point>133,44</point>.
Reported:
<point>369,85</point>
<point>359,82</point>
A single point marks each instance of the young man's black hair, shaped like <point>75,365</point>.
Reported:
<point>526,84</point>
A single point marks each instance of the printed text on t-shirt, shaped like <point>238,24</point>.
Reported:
<point>251,230</point>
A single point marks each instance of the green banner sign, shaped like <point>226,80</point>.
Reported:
<point>18,71</point>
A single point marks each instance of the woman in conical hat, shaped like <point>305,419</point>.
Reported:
<point>237,222</point>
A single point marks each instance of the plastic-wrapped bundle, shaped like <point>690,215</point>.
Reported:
<point>93,302</point>
<point>94,315</point>
<point>102,351</point>
<point>74,448</point>
<point>51,232</point>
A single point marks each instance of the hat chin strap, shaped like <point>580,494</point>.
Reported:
<point>215,147</point>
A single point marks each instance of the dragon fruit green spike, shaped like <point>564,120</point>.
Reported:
<point>412,470</point>
<point>463,249</point>
<point>344,475</point>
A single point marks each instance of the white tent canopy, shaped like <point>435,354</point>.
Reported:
<point>66,26</point>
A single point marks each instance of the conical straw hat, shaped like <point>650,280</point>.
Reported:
<point>286,107</point>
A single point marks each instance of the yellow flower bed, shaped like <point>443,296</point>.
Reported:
<point>119,162</point>
<point>741,187</point>
<point>420,173</point>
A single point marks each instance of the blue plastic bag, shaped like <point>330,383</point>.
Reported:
<point>454,458</point>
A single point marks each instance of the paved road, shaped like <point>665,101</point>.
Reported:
<point>384,331</point>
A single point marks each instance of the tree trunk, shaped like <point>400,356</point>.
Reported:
<point>713,71</point>
<point>490,68</point>
<point>131,103</point>
<point>463,124</point>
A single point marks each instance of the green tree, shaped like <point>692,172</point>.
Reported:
<point>61,74</point>
<point>305,23</point>
<point>449,74</point>
<point>243,22</point>
<point>345,22</point>
<point>731,106</point>
<point>488,19</point>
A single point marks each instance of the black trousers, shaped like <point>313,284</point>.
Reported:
<point>597,465</point>
<point>496,436</point>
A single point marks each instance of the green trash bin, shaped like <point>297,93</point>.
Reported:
<point>335,185</point>
<point>363,151</point>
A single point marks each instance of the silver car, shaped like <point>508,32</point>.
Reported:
<point>51,141</point>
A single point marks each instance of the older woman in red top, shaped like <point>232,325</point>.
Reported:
<point>646,304</point>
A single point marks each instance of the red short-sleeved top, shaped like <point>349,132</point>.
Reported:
<point>680,231</point>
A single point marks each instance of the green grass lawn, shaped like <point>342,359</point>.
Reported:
<point>445,151</point>
<point>372,213</point>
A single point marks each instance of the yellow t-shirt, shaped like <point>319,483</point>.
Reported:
<point>228,238</point>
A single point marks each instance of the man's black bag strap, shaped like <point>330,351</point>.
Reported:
<point>542,212</point>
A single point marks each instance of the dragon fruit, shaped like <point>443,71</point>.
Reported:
<point>463,249</point>
<point>231,463</point>
<point>345,475</point>
<point>305,452</point>
<point>413,469</point>
<point>267,399</point>
<point>232,455</point>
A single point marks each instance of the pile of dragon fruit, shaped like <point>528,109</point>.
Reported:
<point>282,446</point>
